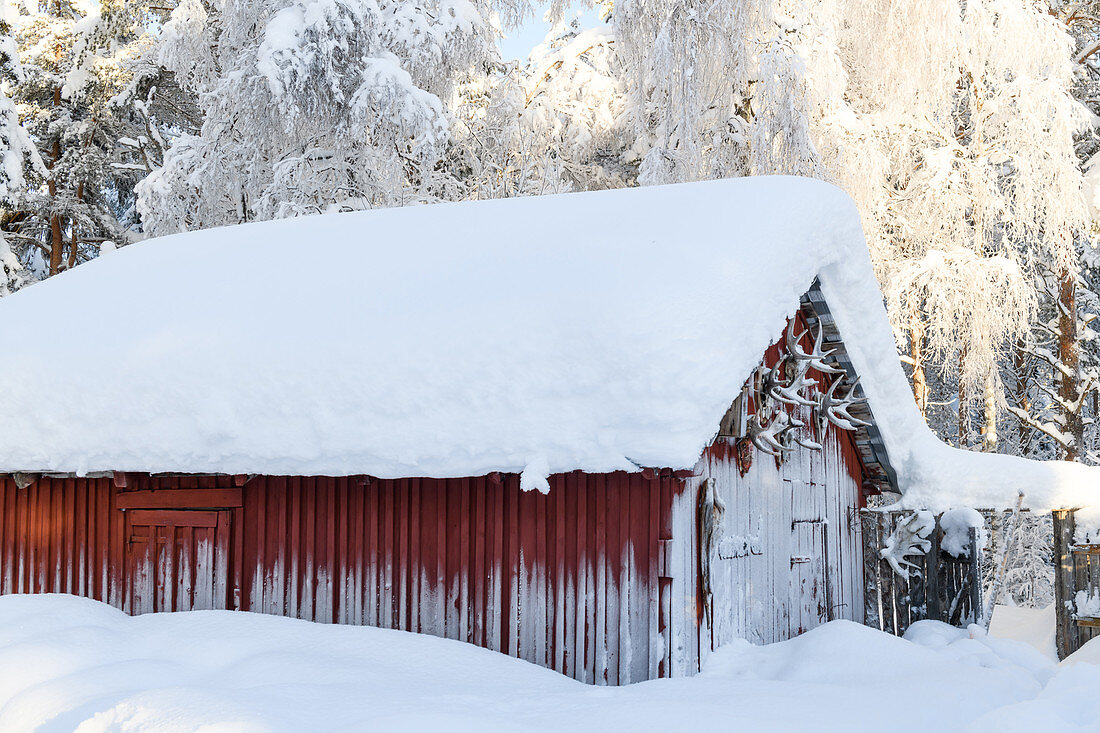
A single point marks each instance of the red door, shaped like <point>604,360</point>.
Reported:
<point>176,560</point>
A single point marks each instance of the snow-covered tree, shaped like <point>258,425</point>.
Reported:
<point>555,123</point>
<point>715,89</point>
<point>74,57</point>
<point>953,125</point>
<point>1029,579</point>
<point>311,105</point>
<point>19,158</point>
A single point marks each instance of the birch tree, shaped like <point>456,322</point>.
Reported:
<point>311,106</point>
<point>554,123</point>
<point>965,119</point>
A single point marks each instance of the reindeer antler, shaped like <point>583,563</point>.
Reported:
<point>789,393</point>
<point>816,357</point>
<point>833,409</point>
<point>768,438</point>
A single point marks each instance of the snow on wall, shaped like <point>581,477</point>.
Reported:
<point>596,331</point>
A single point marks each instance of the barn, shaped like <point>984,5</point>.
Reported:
<point>602,432</point>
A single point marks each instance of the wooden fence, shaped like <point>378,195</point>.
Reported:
<point>940,586</point>
<point>1076,579</point>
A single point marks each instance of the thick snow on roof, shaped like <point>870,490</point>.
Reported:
<point>594,331</point>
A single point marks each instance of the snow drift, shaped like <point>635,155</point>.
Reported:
<point>70,663</point>
<point>598,331</point>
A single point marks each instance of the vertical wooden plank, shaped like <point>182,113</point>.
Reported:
<point>452,559</point>
<point>626,627</point>
<point>514,560</point>
<point>636,562</point>
<point>411,608</point>
<point>556,569</point>
<point>374,580</point>
<point>205,565</point>
<point>355,492</point>
<point>67,532</point>
<point>479,588</point>
<point>102,538</point>
<point>262,571</point>
<point>327,611</point>
<point>498,567</point>
<point>308,591</point>
<point>388,609</point>
<point>341,597</point>
<point>221,560</point>
<point>539,569</point>
<point>19,540</point>
<point>185,570</point>
<point>275,596</point>
<point>116,538</point>
<point>38,534</point>
<point>596,638</point>
<point>55,509</point>
<point>975,577</point>
<point>166,561</point>
<point>462,563</point>
<point>297,549</point>
<point>416,584</point>
<point>581,647</point>
<point>439,488</point>
<point>1066,636</point>
<point>7,551</point>
<point>612,549</point>
<point>423,566</point>
<point>566,519</point>
<point>656,641</point>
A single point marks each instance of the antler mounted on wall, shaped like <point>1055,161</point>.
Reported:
<point>816,357</point>
<point>773,429</point>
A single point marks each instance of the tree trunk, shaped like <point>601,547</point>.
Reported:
<point>1069,385</point>
<point>964,409</point>
<point>989,425</point>
<point>74,242</point>
<point>920,381</point>
<point>56,242</point>
<point>1020,396</point>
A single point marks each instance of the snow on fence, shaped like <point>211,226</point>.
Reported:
<point>1076,586</point>
<point>920,566</point>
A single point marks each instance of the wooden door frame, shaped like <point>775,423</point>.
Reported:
<point>220,520</point>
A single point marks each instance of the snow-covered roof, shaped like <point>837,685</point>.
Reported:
<point>594,331</point>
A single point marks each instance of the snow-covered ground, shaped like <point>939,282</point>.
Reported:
<point>72,664</point>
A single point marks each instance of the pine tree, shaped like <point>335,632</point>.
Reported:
<point>74,58</point>
<point>19,161</point>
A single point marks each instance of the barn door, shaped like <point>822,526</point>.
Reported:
<point>176,560</point>
<point>808,587</point>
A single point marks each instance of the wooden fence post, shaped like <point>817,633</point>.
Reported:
<point>975,572</point>
<point>1066,634</point>
<point>934,608</point>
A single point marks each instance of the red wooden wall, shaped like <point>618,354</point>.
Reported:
<point>60,536</point>
<point>570,580</point>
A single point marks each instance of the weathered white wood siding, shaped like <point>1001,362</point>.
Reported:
<point>787,554</point>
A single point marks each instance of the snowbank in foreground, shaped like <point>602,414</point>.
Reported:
<point>1035,626</point>
<point>1089,653</point>
<point>73,664</point>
